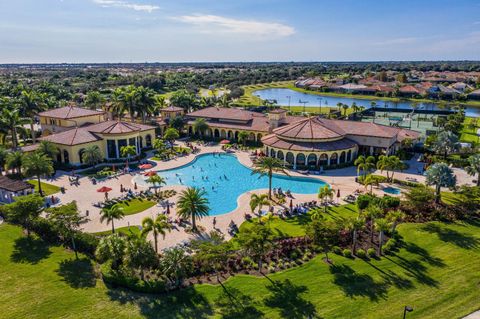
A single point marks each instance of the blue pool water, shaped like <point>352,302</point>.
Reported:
<point>281,96</point>
<point>223,196</point>
<point>392,190</point>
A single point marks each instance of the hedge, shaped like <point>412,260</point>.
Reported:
<point>119,279</point>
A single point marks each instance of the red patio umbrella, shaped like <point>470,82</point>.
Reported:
<point>224,142</point>
<point>105,190</point>
<point>145,166</point>
<point>149,174</point>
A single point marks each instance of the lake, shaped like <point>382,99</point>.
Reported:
<point>281,95</point>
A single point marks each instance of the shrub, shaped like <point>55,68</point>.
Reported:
<point>361,253</point>
<point>371,252</point>
<point>120,279</point>
<point>389,246</point>
<point>363,201</point>
<point>347,253</point>
<point>390,202</point>
<point>337,250</point>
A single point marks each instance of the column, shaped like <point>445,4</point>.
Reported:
<point>116,149</point>
<point>371,150</point>
<point>294,161</point>
<point>136,145</point>
<point>328,160</point>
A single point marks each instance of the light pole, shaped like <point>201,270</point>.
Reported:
<point>320,104</point>
<point>405,310</point>
<point>289,98</point>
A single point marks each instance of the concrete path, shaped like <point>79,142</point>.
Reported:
<point>474,315</point>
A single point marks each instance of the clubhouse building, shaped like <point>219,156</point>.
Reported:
<point>72,129</point>
<point>301,142</point>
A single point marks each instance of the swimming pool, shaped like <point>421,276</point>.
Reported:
<point>392,190</point>
<point>224,179</point>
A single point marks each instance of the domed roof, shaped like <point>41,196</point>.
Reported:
<point>312,128</point>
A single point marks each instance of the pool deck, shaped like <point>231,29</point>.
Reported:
<point>85,194</point>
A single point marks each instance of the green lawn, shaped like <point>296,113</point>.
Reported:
<point>437,273</point>
<point>136,205</point>
<point>468,134</point>
<point>48,189</point>
<point>294,227</point>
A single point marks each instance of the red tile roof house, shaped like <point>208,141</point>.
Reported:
<point>409,91</point>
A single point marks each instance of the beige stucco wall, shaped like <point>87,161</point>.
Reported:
<point>52,125</point>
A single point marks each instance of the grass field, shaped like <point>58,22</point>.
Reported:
<point>436,272</point>
<point>134,206</point>
<point>123,230</point>
<point>48,189</point>
<point>468,133</point>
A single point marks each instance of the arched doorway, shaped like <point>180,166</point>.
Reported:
<point>349,156</point>
<point>216,133</point>
<point>66,157</point>
<point>230,135</point>
<point>323,160</point>
<point>312,160</point>
<point>190,131</point>
<point>272,152</point>
<point>334,159</point>
<point>251,137</point>
<point>301,160</point>
<point>280,155</point>
<point>289,159</point>
<point>80,155</point>
<point>236,135</point>
<point>342,157</point>
<point>148,140</point>
<point>223,134</point>
<point>59,157</point>
<point>259,137</point>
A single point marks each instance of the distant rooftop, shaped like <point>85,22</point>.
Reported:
<point>70,112</point>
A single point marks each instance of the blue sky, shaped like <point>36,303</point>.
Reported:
<point>237,30</point>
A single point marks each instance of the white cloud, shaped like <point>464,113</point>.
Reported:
<point>218,24</point>
<point>125,4</point>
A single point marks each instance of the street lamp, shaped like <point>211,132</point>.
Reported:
<point>320,104</point>
<point>405,310</point>
<point>289,98</point>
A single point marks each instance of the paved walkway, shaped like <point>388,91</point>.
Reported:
<point>85,194</point>
<point>474,315</point>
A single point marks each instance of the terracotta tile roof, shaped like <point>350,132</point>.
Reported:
<point>86,134</point>
<point>30,148</point>
<point>310,128</point>
<point>117,127</point>
<point>273,141</point>
<point>476,92</point>
<point>69,112</point>
<point>224,113</point>
<point>13,185</point>
<point>409,89</point>
<point>75,136</point>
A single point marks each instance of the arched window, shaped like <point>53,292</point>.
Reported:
<point>59,157</point>
<point>334,159</point>
<point>80,155</point>
<point>312,160</point>
<point>272,152</point>
<point>66,157</point>
<point>300,159</point>
<point>251,137</point>
<point>349,156</point>
<point>236,135</point>
<point>230,134</point>
<point>342,157</point>
<point>223,134</point>
<point>289,158</point>
<point>280,155</point>
<point>323,160</point>
<point>190,130</point>
<point>216,133</point>
<point>148,140</point>
<point>259,137</point>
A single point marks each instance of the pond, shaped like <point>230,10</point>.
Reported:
<point>224,179</point>
<point>281,95</point>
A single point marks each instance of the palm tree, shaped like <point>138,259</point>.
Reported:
<point>325,193</point>
<point>440,175</point>
<point>159,226</point>
<point>111,213</point>
<point>473,167</point>
<point>371,213</point>
<point>395,216</point>
<point>112,248</point>
<point>128,151</point>
<point>382,226</point>
<point>37,164</point>
<point>200,126</point>
<point>364,164</point>
<point>193,204</point>
<point>156,180</point>
<point>258,201</point>
<point>445,143</point>
<point>339,105</point>
<point>3,158</point>
<point>345,108</point>
<point>145,100</point>
<point>396,164</point>
<point>243,137</point>
<point>14,161</point>
<point>31,104</point>
<point>48,148</point>
<point>92,155</point>
<point>174,264</point>
<point>11,121</point>
<point>118,103</point>
<point>354,225</point>
<point>370,180</point>
<point>266,166</point>
<point>384,164</point>
<point>94,100</point>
